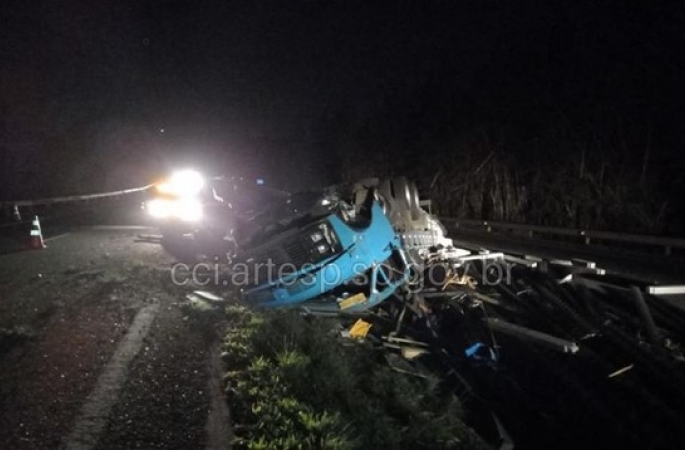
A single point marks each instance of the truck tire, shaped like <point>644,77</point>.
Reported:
<point>178,245</point>
<point>388,202</point>
<point>414,202</point>
<point>400,187</point>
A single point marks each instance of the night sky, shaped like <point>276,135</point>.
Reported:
<point>108,94</point>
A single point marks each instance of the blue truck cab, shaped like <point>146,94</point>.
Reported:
<point>344,260</point>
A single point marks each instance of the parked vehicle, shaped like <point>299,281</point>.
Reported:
<point>197,215</point>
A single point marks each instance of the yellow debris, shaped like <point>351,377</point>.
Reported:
<point>360,329</point>
<point>352,300</point>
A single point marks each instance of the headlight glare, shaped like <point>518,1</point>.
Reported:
<point>159,208</point>
<point>188,210</point>
<point>184,183</point>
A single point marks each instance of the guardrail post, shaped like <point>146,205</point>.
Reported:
<point>587,238</point>
<point>16,215</point>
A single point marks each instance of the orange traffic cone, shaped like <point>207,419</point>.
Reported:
<point>36,235</point>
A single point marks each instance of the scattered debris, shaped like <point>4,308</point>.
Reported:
<point>202,301</point>
<point>515,320</point>
<point>208,297</point>
<point>677,289</point>
<point>544,339</point>
<point>621,371</point>
<point>360,329</point>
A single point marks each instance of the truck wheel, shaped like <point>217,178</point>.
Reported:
<point>385,192</point>
<point>400,191</point>
<point>178,245</point>
<point>213,245</point>
<point>414,205</point>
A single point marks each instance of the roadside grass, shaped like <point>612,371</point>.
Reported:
<point>292,384</point>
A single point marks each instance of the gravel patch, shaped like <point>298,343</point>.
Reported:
<point>43,382</point>
<point>165,402</point>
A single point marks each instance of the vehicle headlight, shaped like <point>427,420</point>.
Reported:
<point>184,183</point>
<point>159,208</point>
<point>189,210</point>
<point>186,209</point>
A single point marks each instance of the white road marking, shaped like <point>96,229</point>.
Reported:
<point>54,238</point>
<point>217,428</point>
<point>94,415</point>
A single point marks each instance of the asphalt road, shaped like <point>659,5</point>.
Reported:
<point>96,350</point>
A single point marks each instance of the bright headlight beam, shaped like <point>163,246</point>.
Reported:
<point>159,209</point>
<point>183,183</point>
<point>189,210</point>
<point>185,209</point>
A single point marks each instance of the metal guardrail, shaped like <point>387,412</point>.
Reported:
<point>588,236</point>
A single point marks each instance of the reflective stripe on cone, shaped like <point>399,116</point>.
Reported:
<point>36,236</point>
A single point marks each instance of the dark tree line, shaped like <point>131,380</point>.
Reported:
<point>599,170</point>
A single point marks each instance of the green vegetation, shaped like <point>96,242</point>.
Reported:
<point>293,385</point>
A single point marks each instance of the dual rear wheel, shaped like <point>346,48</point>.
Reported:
<point>400,195</point>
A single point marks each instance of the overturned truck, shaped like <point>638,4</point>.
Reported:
<point>345,248</point>
<point>544,353</point>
